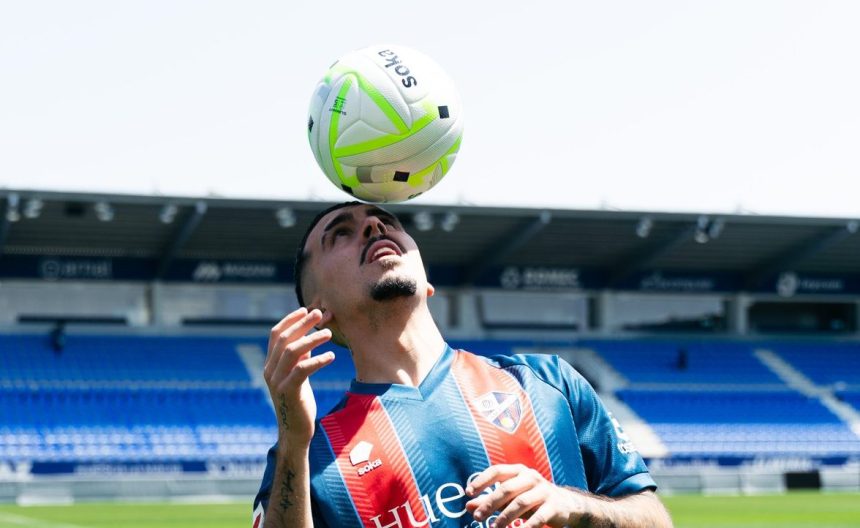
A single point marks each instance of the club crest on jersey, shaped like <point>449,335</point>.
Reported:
<point>501,409</point>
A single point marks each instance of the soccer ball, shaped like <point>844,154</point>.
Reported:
<point>385,123</point>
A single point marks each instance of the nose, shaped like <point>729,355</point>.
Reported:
<point>373,226</point>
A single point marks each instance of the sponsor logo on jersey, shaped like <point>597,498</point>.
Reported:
<point>360,455</point>
<point>447,501</point>
<point>625,445</point>
<point>501,409</point>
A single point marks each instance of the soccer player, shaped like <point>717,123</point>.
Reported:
<point>427,435</point>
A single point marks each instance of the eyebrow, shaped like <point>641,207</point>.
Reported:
<point>339,219</point>
<point>347,216</point>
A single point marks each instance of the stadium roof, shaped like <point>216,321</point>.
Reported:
<point>470,239</point>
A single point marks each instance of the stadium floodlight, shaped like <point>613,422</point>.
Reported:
<point>12,212</point>
<point>449,221</point>
<point>423,221</point>
<point>715,228</point>
<point>701,235</point>
<point>286,217</point>
<point>33,208</point>
<point>643,227</point>
<point>168,213</point>
<point>104,211</point>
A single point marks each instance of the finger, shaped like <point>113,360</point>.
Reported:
<point>491,475</point>
<point>305,368</point>
<point>520,505</point>
<point>284,323</point>
<point>541,517</point>
<point>297,329</point>
<point>299,350</point>
<point>504,493</point>
<point>273,355</point>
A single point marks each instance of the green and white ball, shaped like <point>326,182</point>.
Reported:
<point>385,123</point>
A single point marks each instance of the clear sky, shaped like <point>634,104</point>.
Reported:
<point>707,106</point>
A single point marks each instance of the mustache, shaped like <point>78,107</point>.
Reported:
<point>374,240</point>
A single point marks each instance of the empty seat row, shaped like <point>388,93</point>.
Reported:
<point>679,362</point>
<point>714,407</point>
<point>94,358</point>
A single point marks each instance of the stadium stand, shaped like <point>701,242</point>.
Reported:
<point>715,398</point>
<point>823,363</point>
<point>110,397</point>
<point>106,398</point>
<point>684,362</point>
<point>104,359</point>
<point>742,423</point>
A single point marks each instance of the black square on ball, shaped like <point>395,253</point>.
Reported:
<point>347,188</point>
<point>400,176</point>
<point>443,112</point>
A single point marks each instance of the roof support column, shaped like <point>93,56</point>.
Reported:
<point>737,313</point>
<point>182,235</point>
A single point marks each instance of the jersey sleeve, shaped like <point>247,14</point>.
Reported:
<point>261,501</point>
<point>613,467</point>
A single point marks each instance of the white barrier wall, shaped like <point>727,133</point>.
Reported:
<point>79,299</point>
<point>175,303</point>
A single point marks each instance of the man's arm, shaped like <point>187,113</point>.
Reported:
<point>290,500</point>
<point>640,510</point>
<point>524,493</point>
<point>288,366</point>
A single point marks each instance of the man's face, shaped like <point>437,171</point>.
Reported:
<point>361,253</point>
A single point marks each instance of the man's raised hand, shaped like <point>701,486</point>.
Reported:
<point>288,366</point>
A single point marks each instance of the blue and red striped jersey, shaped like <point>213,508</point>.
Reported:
<point>393,456</point>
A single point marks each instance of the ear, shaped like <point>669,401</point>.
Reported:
<point>430,290</point>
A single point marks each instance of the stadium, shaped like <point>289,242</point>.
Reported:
<point>662,195</point>
<point>135,332</point>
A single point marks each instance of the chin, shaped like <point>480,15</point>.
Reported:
<point>394,287</point>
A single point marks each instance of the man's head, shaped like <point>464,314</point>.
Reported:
<point>301,255</point>
<point>354,255</point>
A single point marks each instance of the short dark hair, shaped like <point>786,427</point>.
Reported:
<point>301,255</point>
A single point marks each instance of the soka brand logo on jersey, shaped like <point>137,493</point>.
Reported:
<point>360,456</point>
<point>448,501</point>
<point>501,409</point>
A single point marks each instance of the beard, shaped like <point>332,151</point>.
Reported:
<point>393,288</point>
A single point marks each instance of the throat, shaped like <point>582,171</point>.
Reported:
<point>396,352</point>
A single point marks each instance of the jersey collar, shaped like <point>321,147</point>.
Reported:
<point>398,391</point>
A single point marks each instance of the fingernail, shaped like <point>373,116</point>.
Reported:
<point>469,490</point>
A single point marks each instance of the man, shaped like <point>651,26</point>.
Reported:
<point>428,436</point>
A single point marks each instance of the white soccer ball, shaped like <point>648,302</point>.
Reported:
<point>385,123</point>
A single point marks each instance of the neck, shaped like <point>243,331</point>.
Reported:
<point>393,343</point>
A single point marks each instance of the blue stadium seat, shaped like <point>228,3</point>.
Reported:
<point>825,363</point>
<point>745,423</point>
<point>706,362</point>
<point>119,398</point>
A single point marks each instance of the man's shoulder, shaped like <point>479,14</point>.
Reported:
<point>549,368</point>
